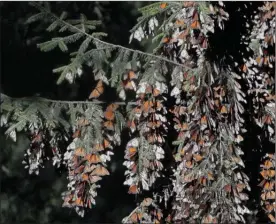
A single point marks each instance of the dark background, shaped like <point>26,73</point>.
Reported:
<point>25,71</point>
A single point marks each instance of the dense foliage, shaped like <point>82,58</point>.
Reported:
<point>186,107</point>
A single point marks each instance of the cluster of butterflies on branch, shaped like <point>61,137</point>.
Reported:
<point>207,182</point>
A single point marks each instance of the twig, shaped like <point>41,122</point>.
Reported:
<point>41,99</point>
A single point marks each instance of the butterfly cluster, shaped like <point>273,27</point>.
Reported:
<point>146,212</point>
<point>259,70</point>
<point>205,117</point>
<point>199,102</point>
<point>34,155</point>
<point>87,160</point>
<point>268,186</point>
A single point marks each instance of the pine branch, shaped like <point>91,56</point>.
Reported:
<point>41,99</point>
<point>103,42</point>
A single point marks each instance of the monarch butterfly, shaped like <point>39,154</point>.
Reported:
<point>208,219</point>
<point>271,173</point>
<point>88,203</point>
<point>269,39</point>
<point>112,107</point>
<point>83,122</point>
<point>158,105</point>
<point>227,187</point>
<point>100,171</point>
<point>131,124</point>
<point>194,136</point>
<point>137,110</point>
<point>133,168</point>
<point>109,115</point>
<point>98,90</point>
<point>68,198</point>
<point>94,179</point>
<point>203,181</point>
<point>79,202</point>
<point>195,25</point>
<point>179,22</point>
<point>270,195</point>
<point>184,34</point>
<point>269,207</point>
<point>76,134</point>
<point>271,97</point>
<point>93,158</point>
<point>156,92</point>
<point>89,168</point>
<point>154,124</point>
<point>244,68</point>
<point>240,187</point>
<point>195,16</point>
<point>210,176</point>
<point>129,84</point>
<point>268,164</point>
<point>197,157</point>
<point>223,110</point>
<point>263,196</point>
<point>166,40</point>
<point>133,189</point>
<point>147,105</point>
<point>163,5</point>
<point>80,152</point>
<point>204,44</point>
<point>84,177</point>
<point>188,4</point>
<point>203,120</point>
<point>109,125</point>
<point>79,169</point>
<point>131,151</point>
<point>259,60</point>
<point>189,164</point>
<point>106,144</point>
<point>158,214</point>
<point>269,185</point>
<point>131,75</point>
<point>98,147</point>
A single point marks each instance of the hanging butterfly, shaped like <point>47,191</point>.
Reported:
<point>100,171</point>
<point>112,107</point>
<point>93,158</point>
<point>163,5</point>
<point>109,125</point>
<point>130,75</point>
<point>109,115</point>
<point>98,90</point>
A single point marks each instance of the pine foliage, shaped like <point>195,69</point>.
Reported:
<point>199,177</point>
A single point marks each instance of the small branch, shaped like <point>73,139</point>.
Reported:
<point>41,99</point>
<point>108,44</point>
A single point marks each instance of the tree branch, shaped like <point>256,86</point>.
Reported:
<point>41,99</point>
<point>105,43</point>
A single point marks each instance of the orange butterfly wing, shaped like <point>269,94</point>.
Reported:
<point>109,115</point>
<point>133,189</point>
<point>98,90</point>
<point>132,75</point>
<point>112,107</point>
<point>109,125</point>
<point>163,5</point>
<point>195,25</point>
